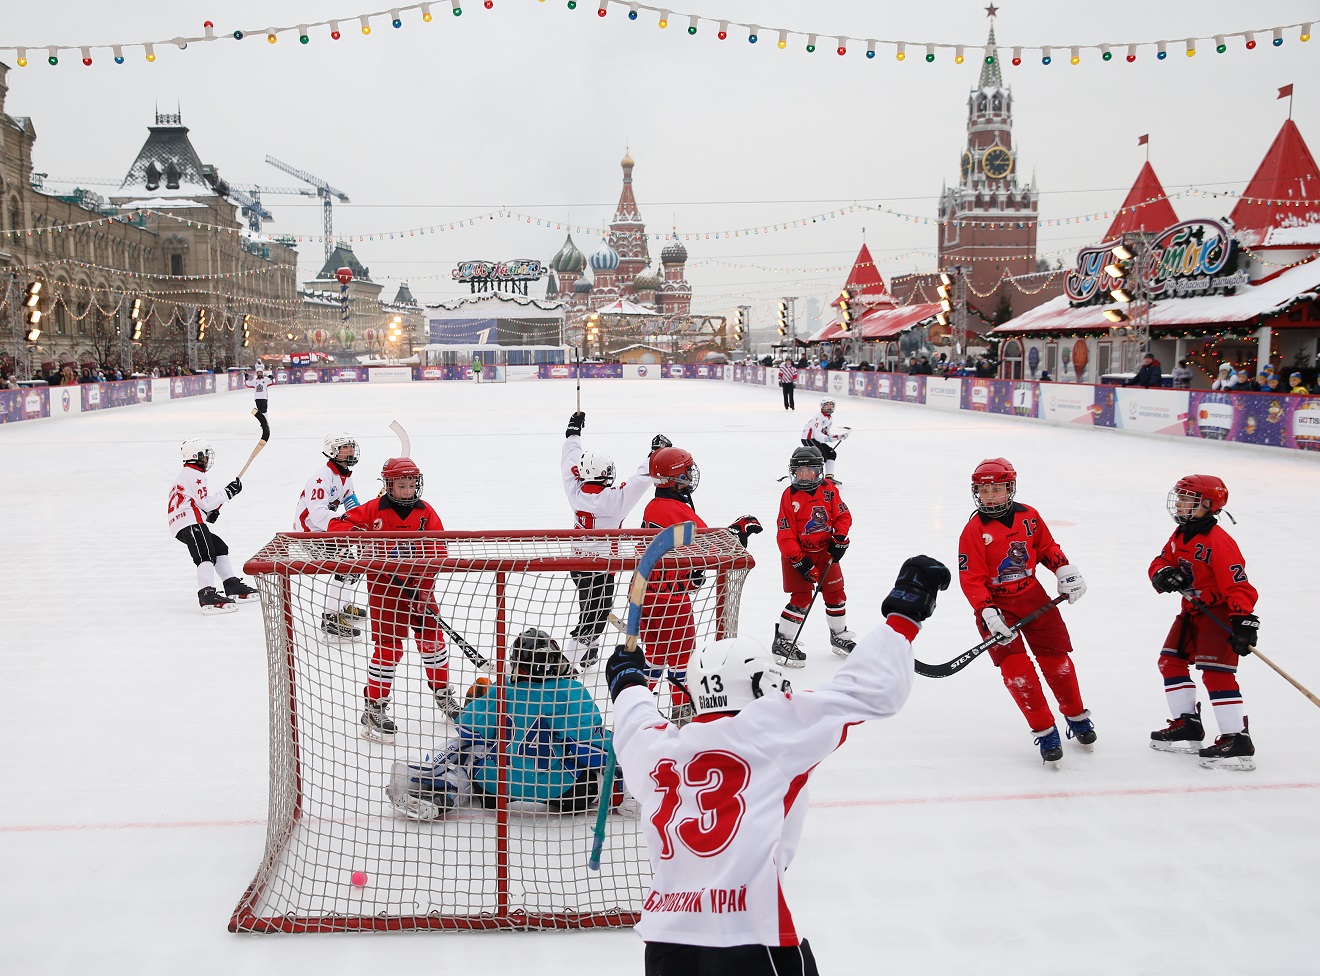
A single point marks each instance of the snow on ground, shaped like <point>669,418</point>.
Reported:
<point>134,756</point>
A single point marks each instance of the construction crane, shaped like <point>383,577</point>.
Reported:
<point>325,191</point>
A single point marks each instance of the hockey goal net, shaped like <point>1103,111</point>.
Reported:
<point>338,855</point>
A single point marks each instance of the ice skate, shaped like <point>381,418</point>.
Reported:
<point>1051,748</point>
<point>1233,751</point>
<point>353,614</point>
<point>376,722</point>
<point>1081,728</point>
<point>240,592</point>
<point>842,642</point>
<point>447,703</point>
<point>334,625</point>
<point>212,602</point>
<point>1182,735</point>
<point>582,653</point>
<point>786,653</point>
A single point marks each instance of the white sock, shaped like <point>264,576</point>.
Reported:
<point>224,567</point>
<point>829,467</point>
<point>205,575</point>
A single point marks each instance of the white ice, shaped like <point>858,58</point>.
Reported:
<point>134,753</point>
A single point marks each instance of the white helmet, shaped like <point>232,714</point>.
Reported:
<point>827,406</point>
<point>597,467</point>
<point>333,442</point>
<point>728,675</point>
<point>197,451</point>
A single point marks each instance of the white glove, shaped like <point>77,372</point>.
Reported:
<point>1071,583</point>
<point>994,622</point>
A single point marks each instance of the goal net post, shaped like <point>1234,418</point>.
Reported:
<point>339,854</point>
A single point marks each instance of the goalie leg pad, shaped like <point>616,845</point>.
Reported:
<point>427,791</point>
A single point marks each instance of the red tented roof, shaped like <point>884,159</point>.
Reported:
<point>864,283</point>
<point>1144,209</point>
<point>879,323</point>
<point>1281,204</point>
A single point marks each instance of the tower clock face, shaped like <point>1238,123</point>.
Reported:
<point>966,165</point>
<point>997,163</point>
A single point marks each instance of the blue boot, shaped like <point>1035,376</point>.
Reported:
<point>1081,727</point>
<point>1051,748</point>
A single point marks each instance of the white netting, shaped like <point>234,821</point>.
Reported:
<point>511,864</point>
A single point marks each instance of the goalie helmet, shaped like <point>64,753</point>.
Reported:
<point>197,452</point>
<point>728,675</point>
<point>333,442</point>
<point>673,467</point>
<point>596,467</point>
<point>399,474</point>
<point>827,406</point>
<point>535,656</point>
<point>1186,497</point>
<point>994,471</point>
<point>806,457</point>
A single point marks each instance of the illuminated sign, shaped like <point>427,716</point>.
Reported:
<point>1189,258</point>
<point>518,270</point>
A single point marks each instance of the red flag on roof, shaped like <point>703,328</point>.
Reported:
<point>1143,140</point>
<point>1285,92</point>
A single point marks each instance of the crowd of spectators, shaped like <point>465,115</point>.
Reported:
<point>72,374</point>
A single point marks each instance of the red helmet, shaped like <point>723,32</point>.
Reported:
<point>673,467</point>
<point>397,470</point>
<point>994,471</point>
<point>1185,498</point>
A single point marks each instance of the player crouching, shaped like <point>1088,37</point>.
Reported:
<point>556,736</point>
<point>1203,563</point>
<point>189,510</point>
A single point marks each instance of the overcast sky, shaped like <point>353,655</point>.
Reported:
<point>530,106</point>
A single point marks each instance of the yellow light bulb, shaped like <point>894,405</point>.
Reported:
<point>22,62</point>
<point>663,23</point>
<point>901,56</point>
<point>271,38</point>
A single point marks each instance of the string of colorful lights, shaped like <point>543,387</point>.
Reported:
<point>723,28</point>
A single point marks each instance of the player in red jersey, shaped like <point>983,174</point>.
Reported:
<point>668,629</point>
<point>997,556</point>
<point>398,604</point>
<point>813,537</point>
<point>1202,560</point>
<point>726,796</point>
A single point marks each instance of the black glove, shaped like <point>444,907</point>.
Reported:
<point>213,516</point>
<point>914,592</point>
<point>624,669</point>
<point>1246,628</point>
<point>837,547</point>
<point>659,441</point>
<point>1171,579</point>
<point>746,527</point>
<point>575,424</point>
<point>233,488</point>
<point>807,568</point>
<point>698,578</point>
<point>334,505</point>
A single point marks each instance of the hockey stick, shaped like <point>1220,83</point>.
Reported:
<point>577,372</point>
<point>673,537</point>
<point>253,456</point>
<point>405,445</point>
<point>1200,605</point>
<point>967,657</point>
<point>819,586</point>
<point>425,610</point>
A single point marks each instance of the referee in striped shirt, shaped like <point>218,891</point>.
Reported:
<point>787,377</point>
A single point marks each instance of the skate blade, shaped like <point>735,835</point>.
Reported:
<point>784,662</point>
<point>842,652</point>
<point>376,735</point>
<point>1238,764</point>
<point>249,598</point>
<point>216,611</point>
<point>1051,764</point>
<point>1176,747</point>
<point>1085,746</point>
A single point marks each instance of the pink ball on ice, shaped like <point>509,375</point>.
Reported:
<point>359,878</point>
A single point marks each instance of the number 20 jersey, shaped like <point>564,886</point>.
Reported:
<point>724,798</point>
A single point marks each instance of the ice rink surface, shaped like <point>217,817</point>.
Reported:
<point>133,767</point>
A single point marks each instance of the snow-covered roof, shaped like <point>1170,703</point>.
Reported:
<point>1267,299</point>
<point>167,164</point>
<point>530,304</point>
<point>160,203</point>
<point>622,306</point>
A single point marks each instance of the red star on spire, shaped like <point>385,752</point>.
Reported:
<point>991,10</point>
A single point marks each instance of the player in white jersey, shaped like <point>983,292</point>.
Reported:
<point>818,433</point>
<point>597,503</point>
<point>724,798</point>
<point>259,385</point>
<point>189,510</point>
<point>329,493</point>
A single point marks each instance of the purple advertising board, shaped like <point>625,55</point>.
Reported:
<point>27,404</point>
<point>121,393</point>
<point>186,386</point>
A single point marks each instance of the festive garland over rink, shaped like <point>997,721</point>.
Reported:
<point>842,43</point>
